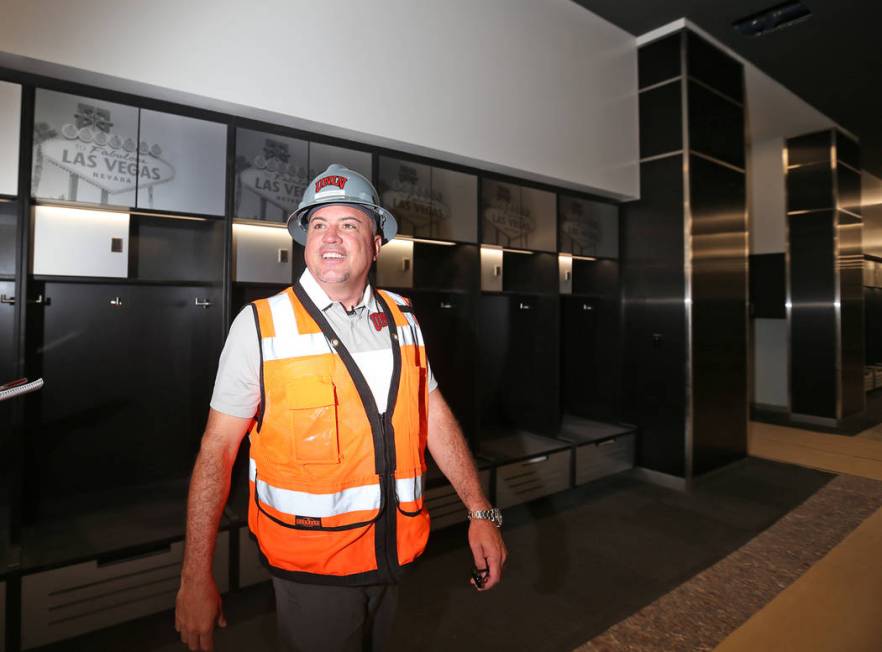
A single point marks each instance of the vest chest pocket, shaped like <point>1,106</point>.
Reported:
<point>312,403</point>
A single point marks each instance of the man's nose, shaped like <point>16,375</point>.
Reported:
<point>331,234</point>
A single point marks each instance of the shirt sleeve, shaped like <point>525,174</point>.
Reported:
<point>433,384</point>
<point>237,385</point>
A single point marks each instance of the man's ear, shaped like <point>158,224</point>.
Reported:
<point>378,243</point>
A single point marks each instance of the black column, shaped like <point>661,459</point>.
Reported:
<point>825,261</point>
<point>685,261</point>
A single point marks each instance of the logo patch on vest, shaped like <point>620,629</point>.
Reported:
<point>379,320</point>
<point>332,180</point>
<point>307,521</point>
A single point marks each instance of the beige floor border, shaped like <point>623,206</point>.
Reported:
<point>836,606</point>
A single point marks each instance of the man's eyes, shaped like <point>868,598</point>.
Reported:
<point>350,226</point>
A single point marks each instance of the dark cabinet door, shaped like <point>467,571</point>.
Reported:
<point>7,373</point>
<point>7,332</point>
<point>533,392</point>
<point>128,372</point>
<point>578,355</point>
<point>518,363</point>
<point>447,322</point>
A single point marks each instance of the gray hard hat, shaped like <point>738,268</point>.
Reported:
<point>340,185</point>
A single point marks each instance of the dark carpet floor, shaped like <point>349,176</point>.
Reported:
<point>579,562</point>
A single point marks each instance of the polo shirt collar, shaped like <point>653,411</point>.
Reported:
<point>321,299</point>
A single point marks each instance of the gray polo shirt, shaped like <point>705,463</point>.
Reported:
<point>237,386</point>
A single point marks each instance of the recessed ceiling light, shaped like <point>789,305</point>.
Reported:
<point>773,19</point>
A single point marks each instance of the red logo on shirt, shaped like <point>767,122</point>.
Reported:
<point>380,321</point>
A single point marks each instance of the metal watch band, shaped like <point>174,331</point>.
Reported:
<point>494,515</point>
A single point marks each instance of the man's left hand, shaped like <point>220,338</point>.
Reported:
<point>488,550</point>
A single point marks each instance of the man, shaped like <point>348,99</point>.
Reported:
<point>331,381</point>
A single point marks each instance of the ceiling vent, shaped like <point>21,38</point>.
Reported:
<point>773,19</point>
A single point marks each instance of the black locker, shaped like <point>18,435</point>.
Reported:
<point>579,363</point>
<point>447,320</point>
<point>129,371</point>
<point>245,293</point>
<point>518,363</point>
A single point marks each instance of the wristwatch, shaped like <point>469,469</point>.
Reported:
<point>494,515</point>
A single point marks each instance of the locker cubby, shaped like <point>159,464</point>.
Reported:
<point>518,364</point>
<point>528,466</point>
<point>590,341</point>
<point>447,320</point>
<point>263,255</point>
<point>176,249</point>
<point>65,602</point>
<point>406,264</point>
<point>600,448</point>
<point>111,439</point>
<point>532,272</point>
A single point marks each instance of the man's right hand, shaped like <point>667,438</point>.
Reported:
<point>197,610</point>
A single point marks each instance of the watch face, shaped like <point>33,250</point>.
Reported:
<point>497,516</point>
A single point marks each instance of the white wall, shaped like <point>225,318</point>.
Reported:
<point>774,114</point>
<point>545,90</point>
<point>768,200</point>
<point>10,128</point>
<point>770,358</point>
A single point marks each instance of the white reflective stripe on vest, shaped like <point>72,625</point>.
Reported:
<point>288,342</point>
<point>279,348</point>
<point>302,503</point>
<point>410,335</point>
<point>409,490</point>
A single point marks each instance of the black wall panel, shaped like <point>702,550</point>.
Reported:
<point>719,314</point>
<point>848,150</point>
<point>768,286</point>
<point>810,188</point>
<point>851,313</point>
<point>659,61</point>
<point>661,122</point>
<point>654,285</point>
<point>813,315</point>
<point>716,126</point>
<point>810,148</point>
<point>848,186</point>
<point>873,332</point>
<point>713,67</point>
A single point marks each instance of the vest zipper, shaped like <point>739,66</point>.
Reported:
<point>388,481</point>
<point>387,522</point>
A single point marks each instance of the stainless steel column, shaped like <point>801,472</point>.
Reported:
<point>685,261</point>
<point>825,262</point>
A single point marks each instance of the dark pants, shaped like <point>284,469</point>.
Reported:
<point>315,618</point>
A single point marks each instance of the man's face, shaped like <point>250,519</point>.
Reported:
<point>341,245</point>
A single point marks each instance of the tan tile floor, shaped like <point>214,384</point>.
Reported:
<point>833,603</point>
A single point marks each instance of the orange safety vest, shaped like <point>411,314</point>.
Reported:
<point>336,488</point>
